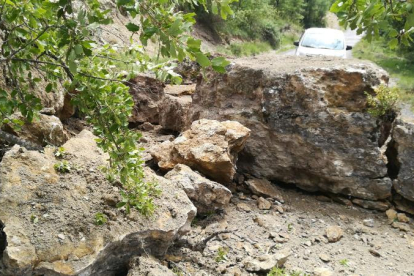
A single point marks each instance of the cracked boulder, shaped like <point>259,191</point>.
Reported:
<point>49,217</point>
<point>174,112</point>
<point>308,119</point>
<point>403,157</point>
<point>209,146</point>
<point>206,195</point>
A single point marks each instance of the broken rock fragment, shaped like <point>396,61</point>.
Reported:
<point>209,146</point>
<point>206,195</point>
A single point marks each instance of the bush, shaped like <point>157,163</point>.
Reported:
<point>383,104</point>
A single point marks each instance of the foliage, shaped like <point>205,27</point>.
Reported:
<point>391,19</point>
<point>398,63</point>
<point>100,219</point>
<point>344,262</point>
<point>56,40</point>
<point>34,219</point>
<point>62,167</point>
<point>384,103</point>
<point>60,152</point>
<point>222,254</point>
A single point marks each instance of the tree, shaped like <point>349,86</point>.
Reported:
<point>56,39</point>
<point>390,18</point>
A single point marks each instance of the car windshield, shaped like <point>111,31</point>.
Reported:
<point>320,40</point>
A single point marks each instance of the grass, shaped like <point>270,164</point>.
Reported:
<point>399,65</point>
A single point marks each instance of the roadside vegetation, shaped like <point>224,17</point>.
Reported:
<point>263,25</point>
<point>398,63</point>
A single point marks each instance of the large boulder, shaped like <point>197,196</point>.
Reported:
<point>206,195</point>
<point>402,154</point>
<point>148,94</point>
<point>49,218</point>
<point>308,119</point>
<point>209,146</point>
<point>43,130</point>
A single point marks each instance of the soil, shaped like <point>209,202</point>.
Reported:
<point>300,231</point>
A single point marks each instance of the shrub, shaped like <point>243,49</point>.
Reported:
<point>383,104</point>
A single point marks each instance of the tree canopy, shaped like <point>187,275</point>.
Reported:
<point>55,40</point>
<point>392,19</point>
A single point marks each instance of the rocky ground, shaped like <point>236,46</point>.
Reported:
<point>294,226</point>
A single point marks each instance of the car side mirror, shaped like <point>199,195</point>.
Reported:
<point>348,47</point>
<point>296,43</point>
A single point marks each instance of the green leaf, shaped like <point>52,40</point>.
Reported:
<point>202,59</point>
<point>132,27</point>
<point>78,49</point>
<point>393,43</point>
<point>49,87</point>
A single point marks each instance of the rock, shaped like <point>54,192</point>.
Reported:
<point>147,126</point>
<point>373,205</point>
<point>180,90</point>
<point>209,146</point>
<point>403,204</point>
<point>263,187</point>
<point>263,204</point>
<point>42,131</point>
<point>324,257</point>
<point>402,218</point>
<point>309,122</point>
<point>391,214</point>
<point>402,226</point>
<point>322,271</point>
<point>244,207</point>
<point>368,222</point>
<point>334,233</point>
<point>148,94</point>
<point>401,155</point>
<point>206,195</point>
<point>174,112</point>
<point>265,263</point>
<point>148,266</point>
<point>64,239</point>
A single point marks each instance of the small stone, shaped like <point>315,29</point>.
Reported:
<point>402,218</point>
<point>263,187</point>
<point>334,233</point>
<point>61,237</point>
<point>391,214</point>
<point>255,197</point>
<point>322,271</point>
<point>263,204</point>
<point>402,226</point>
<point>308,243</point>
<point>323,198</point>
<point>374,253</point>
<point>244,207</point>
<point>147,126</point>
<point>324,257</point>
<point>368,222</point>
<point>265,263</point>
<point>279,209</point>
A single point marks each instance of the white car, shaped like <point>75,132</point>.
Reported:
<point>323,42</point>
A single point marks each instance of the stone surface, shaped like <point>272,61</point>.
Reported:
<point>391,214</point>
<point>403,145</point>
<point>44,130</point>
<point>206,195</point>
<point>148,94</point>
<point>334,233</point>
<point>263,187</point>
<point>263,204</point>
<point>209,146</point>
<point>308,120</point>
<point>401,226</point>
<point>403,218</point>
<point>370,204</point>
<point>174,112</point>
<point>148,266</point>
<point>49,218</point>
<point>265,263</point>
<point>322,271</point>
